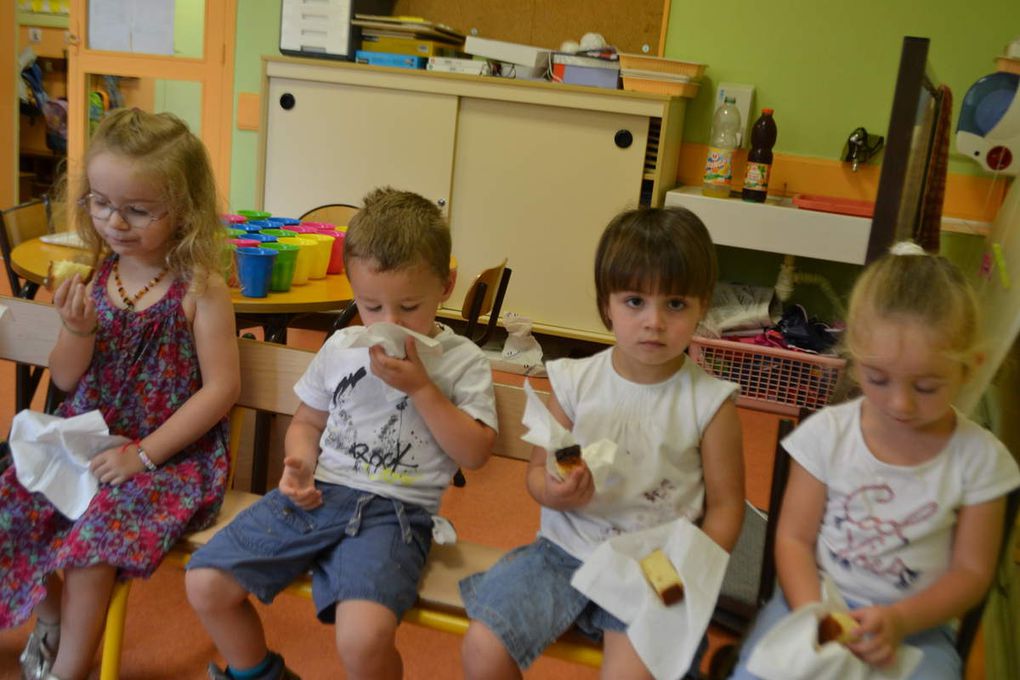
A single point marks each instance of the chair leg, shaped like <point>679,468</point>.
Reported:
<point>459,479</point>
<point>475,311</point>
<point>113,637</point>
<point>497,305</point>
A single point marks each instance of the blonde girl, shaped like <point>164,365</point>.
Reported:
<point>149,342</point>
<point>895,495</point>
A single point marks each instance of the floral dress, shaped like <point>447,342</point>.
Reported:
<point>144,367</point>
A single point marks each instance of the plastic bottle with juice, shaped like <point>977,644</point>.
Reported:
<point>721,144</point>
<point>759,158</point>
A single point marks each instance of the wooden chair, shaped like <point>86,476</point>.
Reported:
<point>21,223</point>
<point>334,213</point>
<point>485,296</point>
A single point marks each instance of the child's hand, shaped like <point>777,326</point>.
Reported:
<point>73,301</point>
<point>298,484</point>
<point>573,492</point>
<point>879,635</point>
<point>117,465</point>
<point>407,375</point>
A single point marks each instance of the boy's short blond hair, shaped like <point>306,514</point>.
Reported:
<point>399,229</point>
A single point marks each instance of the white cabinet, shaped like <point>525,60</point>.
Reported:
<point>528,171</point>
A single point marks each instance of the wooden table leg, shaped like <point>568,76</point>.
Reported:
<point>274,329</point>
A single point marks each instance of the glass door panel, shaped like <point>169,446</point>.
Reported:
<point>182,98</point>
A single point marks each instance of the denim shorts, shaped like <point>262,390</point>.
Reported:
<point>526,599</point>
<point>357,545</point>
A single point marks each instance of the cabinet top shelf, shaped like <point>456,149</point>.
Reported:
<point>484,87</point>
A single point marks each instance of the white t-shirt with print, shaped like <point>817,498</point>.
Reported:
<point>375,440</point>
<point>657,429</point>
<point>887,531</point>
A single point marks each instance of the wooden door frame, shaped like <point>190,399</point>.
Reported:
<point>214,71</point>
<point>8,112</point>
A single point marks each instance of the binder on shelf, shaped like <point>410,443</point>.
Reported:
<point>324,28</point>
<point>392,60</point>
<point>373,42</point>
<point>415,26</point>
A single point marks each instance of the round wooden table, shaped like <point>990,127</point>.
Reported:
<point>31,260</point>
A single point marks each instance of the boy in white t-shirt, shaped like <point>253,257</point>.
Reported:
<point>372,446</point>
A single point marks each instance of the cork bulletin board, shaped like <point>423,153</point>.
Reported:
<point>627,24</point>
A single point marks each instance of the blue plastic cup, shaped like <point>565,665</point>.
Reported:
<point>261,237</point>
<point>255,270</point>
<point>282,221</point>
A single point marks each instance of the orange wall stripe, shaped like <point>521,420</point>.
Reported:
<point>249,114</point>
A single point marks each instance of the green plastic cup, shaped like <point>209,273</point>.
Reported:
<point>283,268</point>
<point>254,214</point>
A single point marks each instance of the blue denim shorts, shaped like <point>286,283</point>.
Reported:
<point>357,545</point>
<point>526,599</point>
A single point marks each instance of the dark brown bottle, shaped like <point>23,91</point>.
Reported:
<point>759,158</point>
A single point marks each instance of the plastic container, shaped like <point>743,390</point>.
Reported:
<point>305,258</point>
<point>336,257</point>
<point>832,204</point>
<point>323,253</point>
<point>777,380</point>
<point>759,158</point>
<point>283,268</point>
<point>722,142</point>
<point>255,270</point>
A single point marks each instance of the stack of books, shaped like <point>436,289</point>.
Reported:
<point>407,42</point>
<point>593,70</point>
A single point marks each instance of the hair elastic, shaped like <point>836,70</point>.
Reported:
<point>906,248</point>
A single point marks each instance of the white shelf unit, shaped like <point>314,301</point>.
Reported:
<point>777,228</point>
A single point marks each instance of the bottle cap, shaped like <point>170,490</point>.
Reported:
<point>767,112</point>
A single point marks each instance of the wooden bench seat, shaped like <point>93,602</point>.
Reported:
<point>28,330</point>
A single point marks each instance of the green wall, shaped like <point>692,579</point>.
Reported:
<point>258,33</point>
<point>829,66</point>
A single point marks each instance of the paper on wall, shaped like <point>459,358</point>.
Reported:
<point>51,456</point>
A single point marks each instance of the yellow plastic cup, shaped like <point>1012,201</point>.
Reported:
<point>305,258</point>
<point>323,251</point>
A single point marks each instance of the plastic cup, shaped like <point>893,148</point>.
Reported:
<point>323,252</point>
<point>255,270</point>
<point>283,268</point>
<point>261,237</point>
<point>244,242</point>
<point>249,227</point>
<point>233,219</point>
<point>254,214</point>
<point>282,221</point>
<point>261,224</point>
<point>318,225</point>
<point>236,233</point>
<point>305,257</point>
<point>301,229</point>
<point>336,256</point>
<point>278,233</point>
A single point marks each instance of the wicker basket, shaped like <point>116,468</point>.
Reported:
<point>771,379</point>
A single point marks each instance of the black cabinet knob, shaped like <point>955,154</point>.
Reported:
<point>623,139</point>
<point>287,101</point>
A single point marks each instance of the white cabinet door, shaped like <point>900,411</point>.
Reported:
<point>538,184</point>
<point>332,143</point>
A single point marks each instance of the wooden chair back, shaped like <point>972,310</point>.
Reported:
<point>485,296</point>
<point>339,214</point>
<point>19,224</point>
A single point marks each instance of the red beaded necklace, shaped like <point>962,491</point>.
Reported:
<point>130,300</point>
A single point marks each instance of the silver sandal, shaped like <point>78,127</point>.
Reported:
<point>37,657</point>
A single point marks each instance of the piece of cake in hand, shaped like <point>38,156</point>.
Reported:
<point>567,459</point>
<point>663,577</point>
<point>61,270</point>
<point>836,627</point>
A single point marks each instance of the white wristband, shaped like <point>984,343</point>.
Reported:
<point>146,461</point>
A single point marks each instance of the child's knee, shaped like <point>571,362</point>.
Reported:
<point>482,649</point>
<point>211,589</point>
<point>364,631</point>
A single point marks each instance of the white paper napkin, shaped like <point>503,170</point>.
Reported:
<point>51,456</point>
<point>546,431</point>
<point>790,650</point>
<point>391,337</point>
<point>666,638</point>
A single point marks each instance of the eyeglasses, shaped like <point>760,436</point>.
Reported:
<point>101,209</point>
